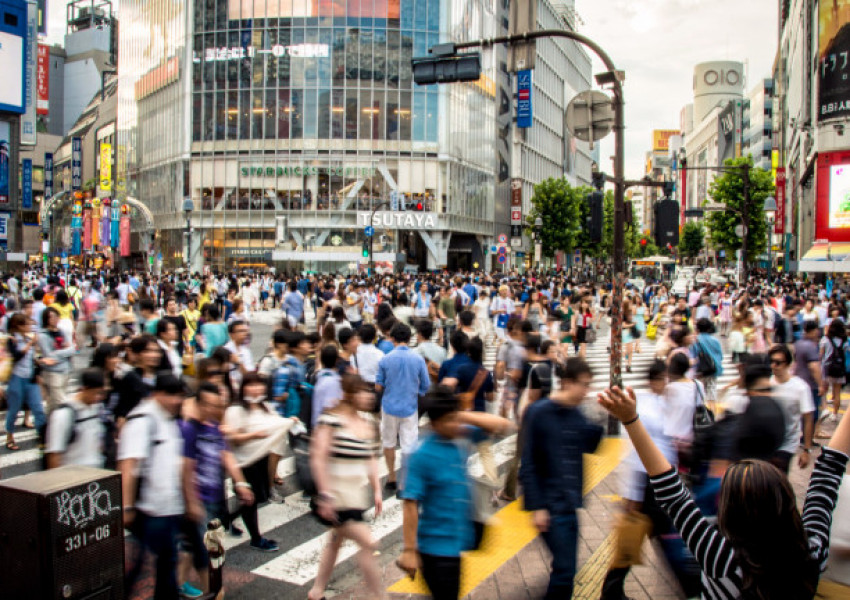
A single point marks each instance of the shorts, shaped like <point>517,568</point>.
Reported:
<point>401,431</point>
<point>342,516</point>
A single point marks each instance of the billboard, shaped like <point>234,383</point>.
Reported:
<point>4,228</point>
<point>661,139</point>
<point>832,217</point>
<point>726,127</point>
<point>5,151</point>
<point>523,111</point>
<point>12,63</point>
<point>42,80</point>
<point>76,163</point>
<point>28,119</point>
<point>779,226</point>
<point>26,184</point>
<point>288,9</point>
<point>834,72</point>
<point>105,167</point>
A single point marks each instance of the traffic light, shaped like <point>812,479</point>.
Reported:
<point>365,251</point>
<point>595,217</point>
<point>598,178</point>
<point>667,223</point>
<point>643,242</point>
<point>419,207</point>
<point>447,69</point>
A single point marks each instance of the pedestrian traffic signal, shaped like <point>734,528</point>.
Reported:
<point>643,242</point>
<point>365,251</point>
<point>595,217</point>
<point>667,223</point>
<point>446,69</point>
<point>420,207</point>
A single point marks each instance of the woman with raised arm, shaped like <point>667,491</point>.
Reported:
<point>761,547</point>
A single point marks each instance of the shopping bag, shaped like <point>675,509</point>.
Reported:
<point>651,331</point>
<point>630,530</point>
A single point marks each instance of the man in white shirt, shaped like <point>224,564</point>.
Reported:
<point>150,458</point>
<point>75,431</point>
<point>240,346</point>
<point>795,398</point>
<point>353,306</point>
<point>367,356</point>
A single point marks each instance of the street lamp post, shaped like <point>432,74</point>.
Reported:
<point>188,207</point>
<point>770,214</point>
<point>538,243</point>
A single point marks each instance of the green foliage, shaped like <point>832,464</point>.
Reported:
<point>559,205</point>
<point>692,239</point>
<point>728,189</point>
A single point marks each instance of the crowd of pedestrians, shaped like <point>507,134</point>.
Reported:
<point>382,385</point>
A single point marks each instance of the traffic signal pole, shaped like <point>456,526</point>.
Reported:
<point>614,79</point>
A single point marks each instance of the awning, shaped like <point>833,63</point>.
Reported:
<point>826,257</point>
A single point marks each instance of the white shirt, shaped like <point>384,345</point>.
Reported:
<point>87,447</point>
<point>352,307</point>
<point>682,398</point>
<point>366,361</point>
<point>404,314</point>
<point>795,398</point>
<point>244,353</point>
<point>152,437</point>
<point>651,408</point>
<point>173,357</point>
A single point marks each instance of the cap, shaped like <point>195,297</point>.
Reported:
<point>167,382</point>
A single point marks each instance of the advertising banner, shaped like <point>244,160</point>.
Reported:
<point>95,222</point>
<point>5,148</point>
<point>48,175</point>
<point>832,217</point>
<point>28,119</point>
<point>115,232</point>
<point>726,133</point>
<point>4,228</point>
<point>87,227</point>
<point>26,184</point>
<point>286,9</point>
<point>780,201</point>
<point>661,139</point>
<point>834,72</point>
<point>42,82</point>
<point>516,213</point>
<point>12,66</point>
<point>105,167</point>
<point>105,223</point>
<point>523,110</point>
<point>125,236</point>
<point>76,163</point>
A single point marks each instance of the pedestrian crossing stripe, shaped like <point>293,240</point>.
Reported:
<point>511,529</point>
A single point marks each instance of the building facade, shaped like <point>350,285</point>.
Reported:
<point>758,124</point>
<point>292,126</point>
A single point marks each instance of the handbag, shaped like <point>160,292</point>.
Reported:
<point>651,331</point>
<point>630,528</point>
<point>590,335</point>
<point>300,445</point>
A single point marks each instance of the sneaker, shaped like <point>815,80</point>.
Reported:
<point>187,590</point>
<point>265,545</point>
<point>235,531</point>
<point>832,418</point>
<point>276,497</point>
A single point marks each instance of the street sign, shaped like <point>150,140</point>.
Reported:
<point>503,259</point>
<point>503,250</point>
<point>503,239</point>
<point>516,242</point>
<point>739,230</point>
<point>369,231</point>
<point>520,254</point>
<point>494,249</point>
<point>590,115</point>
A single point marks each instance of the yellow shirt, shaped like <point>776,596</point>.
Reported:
<point>204,299</point>
<point>65,312</point>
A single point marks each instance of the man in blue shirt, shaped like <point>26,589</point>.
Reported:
<point>450,368</point>
<point>557,434</point>
<point>402,377</point>
<point>293,305</point>
<point>438,511</point>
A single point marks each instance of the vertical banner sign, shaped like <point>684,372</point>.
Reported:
<point>105,167</point>
<point>42,16</point>
<point>726,126</point>
<point>5,150</point>
<point>42,81</point>
<point>780,201</point>
<point>87,226</point>
<point>125,231</point>
<point>95,223</point>
<point>30,73</point>
<point>76,163</point>
<point>4,229</point>
<point>48,176</point>
<point>516,213</point>
<point>105,223</point>
<point>523,111</point>
<point>115,233</point>
<point>834,72</point>
<point>76,228</point>
<point>26,184</point>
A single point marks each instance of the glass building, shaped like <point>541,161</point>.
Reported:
<point>293,124</point>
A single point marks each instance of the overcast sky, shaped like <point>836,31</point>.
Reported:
<point>658,42</point>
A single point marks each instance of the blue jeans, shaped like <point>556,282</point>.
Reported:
<point>157,535</point>
<point>21,391</point>
<point>562,540</point>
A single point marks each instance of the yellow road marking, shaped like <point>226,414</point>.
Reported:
<point>510,529</point>
<point>589,579</point>
<point>611,497</point>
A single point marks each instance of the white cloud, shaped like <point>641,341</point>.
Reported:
<point>658,42</point>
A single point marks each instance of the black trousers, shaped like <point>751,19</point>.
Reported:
<point>442,574</point>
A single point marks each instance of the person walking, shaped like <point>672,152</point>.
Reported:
<point>75,431</point>
<point>343,448</point>
<point>402,377</point>
<point>557,434</point>
<point>56,350</point>
<point>22,389</point>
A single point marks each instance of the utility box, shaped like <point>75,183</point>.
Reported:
<point>62,535</point>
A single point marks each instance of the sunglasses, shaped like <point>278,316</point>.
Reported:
<point>777,363</point>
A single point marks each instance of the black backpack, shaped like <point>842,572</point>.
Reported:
<point>835,366</point>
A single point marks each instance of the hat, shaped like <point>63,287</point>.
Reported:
<point>169,383</point>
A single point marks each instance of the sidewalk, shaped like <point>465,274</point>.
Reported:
<point>525,574</point>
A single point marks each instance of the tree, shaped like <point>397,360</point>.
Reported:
<point>728,189</point>
<point>692,240</point>
<point>559,205</point>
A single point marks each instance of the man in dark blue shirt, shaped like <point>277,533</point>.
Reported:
<point>556,436</point>
<point>449,369</point>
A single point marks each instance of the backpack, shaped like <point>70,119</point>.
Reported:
<point>72,435</point>
<point>706,367</point>
<point>835,363</point>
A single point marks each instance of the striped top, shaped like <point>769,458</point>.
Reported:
<point>722,578</point>
<point>348,463</point>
